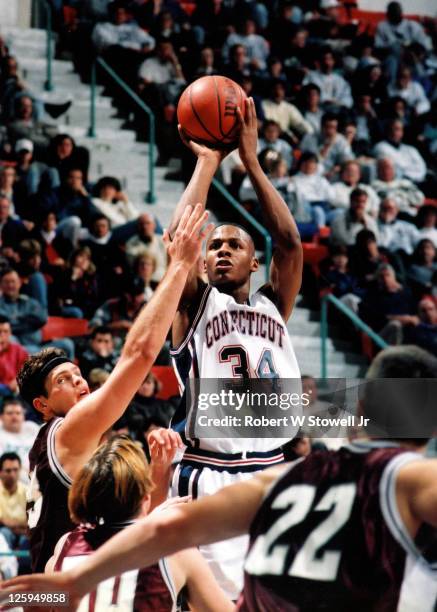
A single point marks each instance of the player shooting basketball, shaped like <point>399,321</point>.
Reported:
<point>221,331</point>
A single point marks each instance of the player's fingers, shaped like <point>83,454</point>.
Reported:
<point>166,238</point>
<point>206,231</point>
<point>252,112</point>
<point>184,219</point>
<point>196,220</point>
<point>197,226</point>
<point>183,135</point>
<point>240,117</point>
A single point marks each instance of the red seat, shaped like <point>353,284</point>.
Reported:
<point>61,327</point>
<point>313,254</point>
<point>167,378</point>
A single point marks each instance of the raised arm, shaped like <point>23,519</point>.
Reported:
<point>84,425</point>
<point>287,261</point>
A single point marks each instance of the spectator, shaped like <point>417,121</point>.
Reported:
<point>427,223</point>
<point>115,205</point>
<point>8,563</point>
<point>54,249</point>
<point>403,191</point>
<point>334,90</point>
<point>211,20</point>
<point>148,405</point>
<point>25,126</point>
<point>119,313</point>
<point>206,65</point>
<point>34,284</point>
<point>13,518</point>
<point>271,140</point>
<point>411,91</point>
<point>12,357</point>
<point>340,281</point>
<point>286,115</point>
<point>97,378</point>
<point>313,114</point>
<point>64,155</point>
<point>348,224</point>
<point>237,68</point>
<point>8,177</point>
<point>312,188</point>
<point>276,169</point>
<point>394,234</point>
<point>29,171</point>
<point>257,48</point>
<point>12,231</point>
<point>350,179</point>
<point>331,148</point>
<point>408,162</point>
<point>100,353</point>
<point>423,331</point>
<point>16,434</point>
<point>144,268</point>
<point>367,258</point>
<point>388,306</point>
<point>148,241</point>
<point>423,265</point>
<point>366,120</point>
<point>395,33</point>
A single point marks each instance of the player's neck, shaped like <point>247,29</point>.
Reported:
<point>240,294</point>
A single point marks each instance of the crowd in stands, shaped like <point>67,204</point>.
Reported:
<point>347,118</point>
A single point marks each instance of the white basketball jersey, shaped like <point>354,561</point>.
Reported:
<point>231,340</point>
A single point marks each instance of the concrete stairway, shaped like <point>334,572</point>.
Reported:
<point>115,152</point>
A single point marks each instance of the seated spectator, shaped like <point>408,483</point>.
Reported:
<point>34,284</point>
<point>148,405</point>
<point>25,126</point>
<point>8,563</point>
<point>76,292</point>
<point>100,353</point>
<point>430,130</point>
<point>26,315</point>
<point>411,91</point>
<point>395,234</point>
<point>331,147</point>
<point>54,249</point>
<point>310,187</point>
<point>211,20</point>
<point>271,140</point>
<point>12,357</point>
<point>276,169</point>
<point>17,435</point>
<point>206,65</point>
<point>12,231</point>
<point>395,33</point>
<point>312,112</point>
<point>29,171</point>
<point>144,267</point>
<point>148,241</point>
<point>161,82</point>
<point>113,203</point>
<point>119,313</point>
<point>427,223</point>
<point>257,48</point>
<point>370,79</point>
<point>387,306</point>
<point>97,378</point>
<point>8,177</point>
<point>335,92</point>
<point>349,180</point>
<point>366,120</point>
<point>346,226</point>
<point>423,265</point>
<point>286,115</point>
<point>13,517</point>
<point>407,159</point>
<point>366,258</point>
<point>340,281</point>
<point>423,331</point>
<point>404,192</point>
<point>64,155</point>
<point>237,67</point>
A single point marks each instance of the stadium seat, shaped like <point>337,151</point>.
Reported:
<point>60,327</point>
<point>166,376</point>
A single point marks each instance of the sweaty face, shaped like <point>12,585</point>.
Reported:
<point>65,387</point>
<point>230,257</point>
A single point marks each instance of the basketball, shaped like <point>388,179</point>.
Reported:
<point>207,110</point>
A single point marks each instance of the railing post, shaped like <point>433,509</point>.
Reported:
<point>92,127</point>
<point>48,85</point>
<point>324,337</point>
<point>268,256</point>
<point>151,197</point>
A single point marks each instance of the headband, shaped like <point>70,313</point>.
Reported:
<point>49,366</point>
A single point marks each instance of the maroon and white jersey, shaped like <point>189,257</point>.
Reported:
<point>47,497</point>
<point>149,589</point>
<point>329,537</point>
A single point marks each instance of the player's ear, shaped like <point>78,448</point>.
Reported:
<point>254,265</point>
<point>40,404</point>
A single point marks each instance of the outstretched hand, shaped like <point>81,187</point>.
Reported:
<point>163,445</point>
<point>201,150</point>
<point>187,240</point>
<point>248,140</point>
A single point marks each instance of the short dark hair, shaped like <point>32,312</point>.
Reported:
<point>107,181</point>
<point>11,401</point>
<point>100,329</point>
<point>358,192</point>
<point>305,157</point>
<point>29,380</point>
<point>329,117</point>
<point>10,456</point>
<point>4,319</point>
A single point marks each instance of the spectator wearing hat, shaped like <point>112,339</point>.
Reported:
<point>29,171</point>
<point>12,357</point>
<point>334,90</point>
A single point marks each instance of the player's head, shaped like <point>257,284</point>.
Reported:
<point>51,383</point>
<point>113,486</point>
<point>230,257</point>
<point>399,394</point>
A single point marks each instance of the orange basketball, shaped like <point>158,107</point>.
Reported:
<point>207,110</point>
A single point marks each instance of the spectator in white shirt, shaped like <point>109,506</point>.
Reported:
<point>16,434</point>
<point>311,104</point>
<point>335,91</point>
<point>113,203</point>
<point>404,192</point>
<point>331,148</point>
<point>349,180</point>
<point>308,183</point>
<point>289,118</point>
<point>271,140</point>
<point>346,226</point>
<point>257,48</point>
<point>395,234</point>
<point>122,32</point>
<point>410,91</point>
<point>427,223</point>
<point>407,159</point>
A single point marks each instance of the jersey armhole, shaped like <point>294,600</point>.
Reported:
<point>165,569</point>
<point>55,464</point>
<point>175,351</point>
<point>390,510</point>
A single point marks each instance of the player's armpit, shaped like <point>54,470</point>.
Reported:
<point>416,492</point>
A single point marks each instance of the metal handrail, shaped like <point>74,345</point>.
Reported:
<point>48,85</point>
<point>350,315</point>
<point>151,196</point>
<point>253,222</point>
